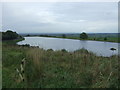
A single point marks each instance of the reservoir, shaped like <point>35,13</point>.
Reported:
<point>100,48</point>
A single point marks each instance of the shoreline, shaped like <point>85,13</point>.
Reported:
<point>73,38</point>
<point>66,50</point>
<point>49,65</point>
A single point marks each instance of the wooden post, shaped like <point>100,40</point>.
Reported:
<point>21,77</point>
<point>21,72</point>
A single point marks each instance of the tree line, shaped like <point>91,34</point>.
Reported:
<point>10,35</point>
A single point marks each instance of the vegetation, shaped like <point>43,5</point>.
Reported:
<point>83,35</point>
<point>64,36</point>
<point>10,35</point>
<point>27,35</point>
<point>95,37</point>
<point>45,36</point>
<point>58,69</point>
<point>105,38</point>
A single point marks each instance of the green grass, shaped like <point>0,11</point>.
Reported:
<point>0,64</point>
<point>58,69</point>
<point>109,39</point>
<point>11,42</point>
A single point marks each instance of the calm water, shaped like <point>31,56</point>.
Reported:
<point>98,47</point>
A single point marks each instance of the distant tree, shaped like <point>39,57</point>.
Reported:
<point>28,35</point>
<point>83,35</point>
<point>105,38</point>
<point>64,36</point>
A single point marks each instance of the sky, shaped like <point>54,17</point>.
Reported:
<point>60,17</point>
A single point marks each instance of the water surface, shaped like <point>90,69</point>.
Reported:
<point>100,48</point>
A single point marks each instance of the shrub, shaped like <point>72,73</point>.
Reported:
<point>83,35</point>
<point>10,35</point>
<point>64,50</point>
<point>49,49</point>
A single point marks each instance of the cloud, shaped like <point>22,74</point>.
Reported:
<point>59,0</point>
<point>60,17</point>
<point>101,26</point>
<point>78,21</point>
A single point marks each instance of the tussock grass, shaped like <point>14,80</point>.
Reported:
<point>60,69</point>
<point>35,63</point>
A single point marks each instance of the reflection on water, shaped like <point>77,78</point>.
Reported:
<point>97,47</point>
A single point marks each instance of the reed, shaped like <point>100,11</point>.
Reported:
<point>59,69</point>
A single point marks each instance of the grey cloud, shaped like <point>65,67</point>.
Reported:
<point>60,17</point>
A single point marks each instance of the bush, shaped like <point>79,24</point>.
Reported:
<point>10,35</point>
<point>26,45</point>
<point>64,36</point>
<point>105,38</point>
<point>63,50</point>
<point>49,49</point>
<point>83,35</point>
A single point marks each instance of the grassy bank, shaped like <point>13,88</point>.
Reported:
<point>0,65</point>
<point>58,69</point>
<point>109,39</point>
<point>11,42</point>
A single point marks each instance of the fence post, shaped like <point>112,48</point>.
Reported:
<point>21,72</point>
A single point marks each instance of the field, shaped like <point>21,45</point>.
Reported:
<point>57,69</point>
<point>110,37</point>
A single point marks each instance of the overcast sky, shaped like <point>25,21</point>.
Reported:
<point>60,17</point>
